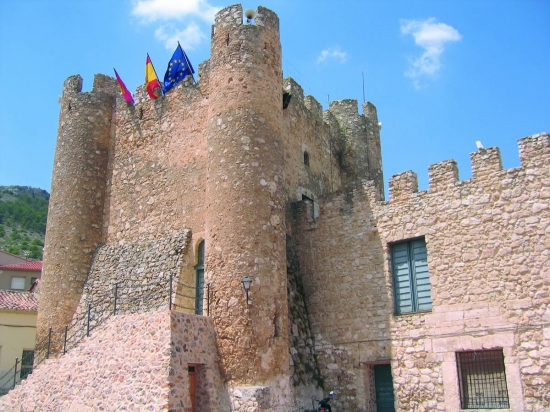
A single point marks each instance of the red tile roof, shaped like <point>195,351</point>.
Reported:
<point>11,300</point>
<point>28,266</point>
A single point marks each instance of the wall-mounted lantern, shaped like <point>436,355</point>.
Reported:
<point>246,285</point>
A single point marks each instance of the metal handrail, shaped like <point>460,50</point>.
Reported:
<point>113,303</point>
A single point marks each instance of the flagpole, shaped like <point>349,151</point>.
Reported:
<point>187,61</point>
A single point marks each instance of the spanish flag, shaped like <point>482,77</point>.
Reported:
<point>151,81</point>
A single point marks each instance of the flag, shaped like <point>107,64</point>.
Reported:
<point>125,92</point>
<point>151,80</point>
<point>178,68</point>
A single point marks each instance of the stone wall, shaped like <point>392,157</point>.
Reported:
<point>304,130</point>
<point>489,267</point>
<point>134,278</point>
<point>156,176</point>
<point>307,380</point>
<point>132,362</point>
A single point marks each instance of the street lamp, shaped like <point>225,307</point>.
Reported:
<point>246,285</point>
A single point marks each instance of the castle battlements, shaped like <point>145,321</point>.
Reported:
<point>486,166</point>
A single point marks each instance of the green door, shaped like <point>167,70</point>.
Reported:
<point>384,388</point>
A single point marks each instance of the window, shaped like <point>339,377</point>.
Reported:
<point>18,283</point>
<point>27,360</point>
<point>199,281</point>
<point>286,99</point>
<point>482,379</point>
<point>411,279</point>
<point>306,158</point>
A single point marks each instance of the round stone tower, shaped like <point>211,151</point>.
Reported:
<point>245,224</point>
<point>75,212</point>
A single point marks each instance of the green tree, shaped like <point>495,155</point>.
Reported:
<point>14,235</point>
<point>14,250</point>
<point>35,252</point>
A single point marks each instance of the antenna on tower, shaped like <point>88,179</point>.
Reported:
<point>363,76</point>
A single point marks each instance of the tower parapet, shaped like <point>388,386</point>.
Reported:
<point>75,215</point>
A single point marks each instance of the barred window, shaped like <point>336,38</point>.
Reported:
<point>482,379</point>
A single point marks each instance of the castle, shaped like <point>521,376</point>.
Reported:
<point>434,300</point>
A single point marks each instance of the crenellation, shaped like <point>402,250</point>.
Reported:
<point>294,89</point>
<point>141,96</point>
<point>374,146</point>
<point>403,185</point>
<point>534,150</point>
<point>313,106</point>
<point>370,112</point>
<point>267,18</point>
<point>486,162</point>
<point>229,16</point>
<point>204,72</point>
<point>72,85</point>
<point>105,84</point>
<point>346,110</point>
<point>443,174</point>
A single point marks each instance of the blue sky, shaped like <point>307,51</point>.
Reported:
<point>442,74</point>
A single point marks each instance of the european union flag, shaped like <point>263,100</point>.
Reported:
<point>178,68</point>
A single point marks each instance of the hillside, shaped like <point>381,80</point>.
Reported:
<point>23,212</point>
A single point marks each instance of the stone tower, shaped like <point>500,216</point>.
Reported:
<point>362,153</point>
<point>245,219</point>
<point>78,192</point>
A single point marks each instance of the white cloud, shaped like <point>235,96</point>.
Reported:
<point>432,37</point>
<point>189,38</point>
<point>332,53</point>
<point>152,10</point>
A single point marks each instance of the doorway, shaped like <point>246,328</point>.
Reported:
<point>383,384</point>
<point>192,387</point>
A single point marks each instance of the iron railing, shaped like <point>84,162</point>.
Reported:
<point>123,298</point>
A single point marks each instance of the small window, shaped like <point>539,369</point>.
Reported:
<point>306,159</point>
<point>33,279</point>
<point>27,361</point>
<point>411,280</point>
<point>482,380</point>
<point>17,283</point>
<point>286,99</point>
<point>199,280</point>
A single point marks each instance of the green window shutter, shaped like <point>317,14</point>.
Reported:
<point>421,275</point>
<point>402,278</point>
<point>411,278</point>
